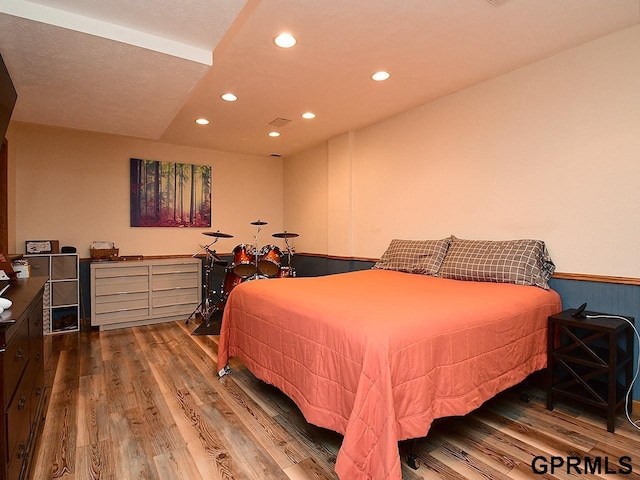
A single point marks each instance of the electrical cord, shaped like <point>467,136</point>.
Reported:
<point>635,376</point>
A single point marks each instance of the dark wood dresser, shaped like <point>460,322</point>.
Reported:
<point>21,375</point>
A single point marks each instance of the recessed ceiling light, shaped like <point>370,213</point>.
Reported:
<point>228,97</point>
<point>285,40</point>
<point>380,76</point>
<point>202,121</point>
<point>274,134</point>
<point>308,115</point>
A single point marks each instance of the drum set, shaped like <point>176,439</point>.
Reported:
<point>249,263</point>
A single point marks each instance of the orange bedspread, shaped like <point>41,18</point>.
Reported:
<point>377,355</point>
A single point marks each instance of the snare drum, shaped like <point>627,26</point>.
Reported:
<point>269,263</point>
<point>231,280</point>
<point>286,272</point>
<point>244,260</point>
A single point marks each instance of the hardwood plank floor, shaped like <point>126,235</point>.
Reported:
<point>146,403</point>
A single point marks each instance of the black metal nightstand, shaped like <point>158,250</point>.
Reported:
<point>591,361</point>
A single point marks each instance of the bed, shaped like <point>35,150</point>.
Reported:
<point>378,354</point>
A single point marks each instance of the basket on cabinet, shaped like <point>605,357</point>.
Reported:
<point>104,253</point>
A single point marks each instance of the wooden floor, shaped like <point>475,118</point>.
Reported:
<point>145,403</point>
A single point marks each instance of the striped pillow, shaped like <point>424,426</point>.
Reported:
<point>414,256</point>
<point>522,262</point>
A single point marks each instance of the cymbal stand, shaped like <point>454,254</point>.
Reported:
<point>208,306</point>
<point>205,248</point>
<point>290,252</point>
<point>255,249</point>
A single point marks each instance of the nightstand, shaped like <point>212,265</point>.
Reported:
<point>590,361</point>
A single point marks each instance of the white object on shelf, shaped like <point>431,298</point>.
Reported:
<point>102,245</point>
<point>22,271</point>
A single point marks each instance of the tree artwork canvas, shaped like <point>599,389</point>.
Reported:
<point>165,194</point>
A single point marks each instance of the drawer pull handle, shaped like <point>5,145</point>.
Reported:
<point>20,354</point>
<point>22,450</point>
<point>122,276</point>
<point>22,402</point>
<point>122,292</point>
<point>168,289</point>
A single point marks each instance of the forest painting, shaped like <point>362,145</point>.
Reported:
<point>165,194</point>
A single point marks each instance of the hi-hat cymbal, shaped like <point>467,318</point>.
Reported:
<point>285,235</point>
<point>259,222</point>
<point>214,256</point>
<point>218,234</point>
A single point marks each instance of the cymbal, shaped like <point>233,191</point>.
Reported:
<point>218,234</point>
<point>285,235</point>
<point>214,256</point>
<point>259,222</point>
<point>211,253</point>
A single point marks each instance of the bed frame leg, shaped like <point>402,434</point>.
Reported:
<point>524,394</point>
<point>412,460</point>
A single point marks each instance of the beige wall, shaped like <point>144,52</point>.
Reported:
<point>73,186</point>
<point>305,200</point>
<point>550,151</point>
<point>340,194</point>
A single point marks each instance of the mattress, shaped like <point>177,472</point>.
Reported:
<point>377,355</point>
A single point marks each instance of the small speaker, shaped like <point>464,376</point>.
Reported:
<point>68,249</point>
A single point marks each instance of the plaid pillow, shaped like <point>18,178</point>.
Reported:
<point>414,256</point>
<point>523,262</point>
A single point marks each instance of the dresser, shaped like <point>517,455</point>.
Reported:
<point>139,292</point>
<point>22,375</point>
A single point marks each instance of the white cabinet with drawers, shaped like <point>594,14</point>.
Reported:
<point>140,292</point>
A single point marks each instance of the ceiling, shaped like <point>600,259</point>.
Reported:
<point>149,68</point>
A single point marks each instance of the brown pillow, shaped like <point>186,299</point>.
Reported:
<point>523,262</point>
<point>414,256</point>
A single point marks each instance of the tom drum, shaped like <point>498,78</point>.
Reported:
<point>269,263</point>
<point>244,259</point>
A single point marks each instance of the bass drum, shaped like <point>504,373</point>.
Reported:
<point>231,280</point>
<point>244,259</point>
<point>269,263</point>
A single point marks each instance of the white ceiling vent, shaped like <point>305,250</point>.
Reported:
<point>279,122</point>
